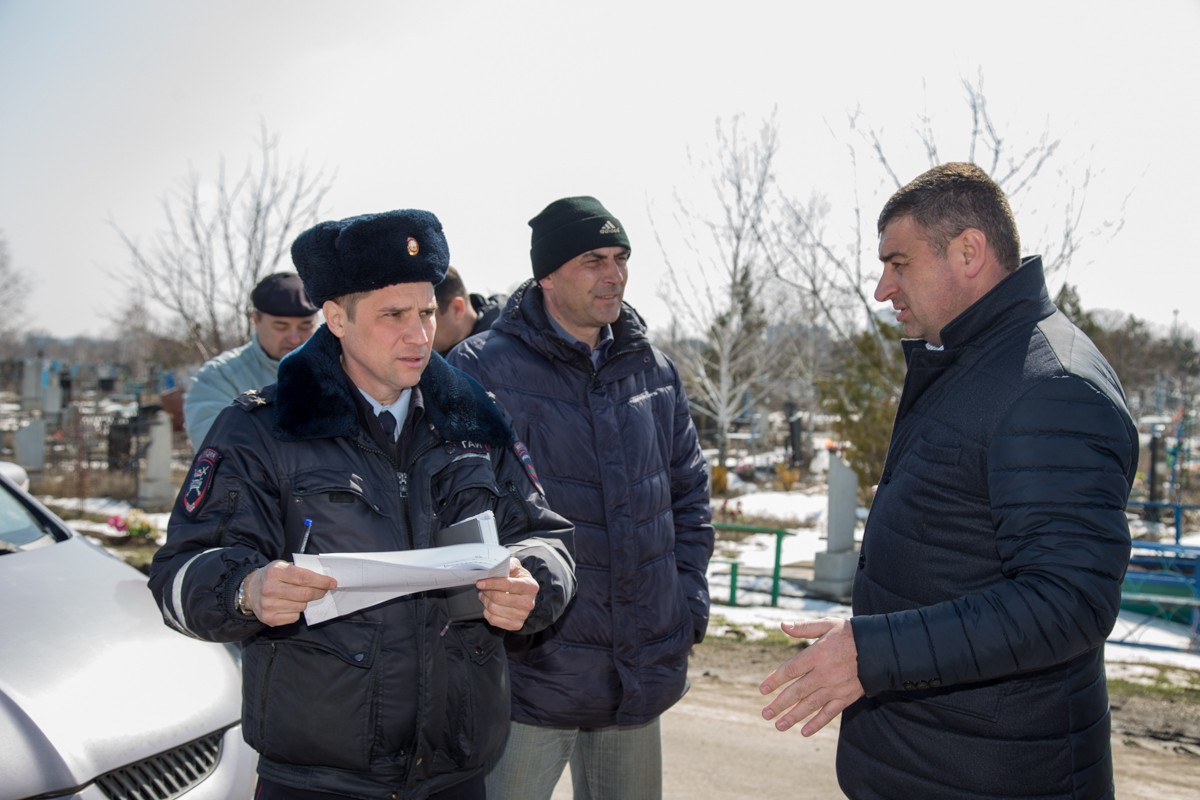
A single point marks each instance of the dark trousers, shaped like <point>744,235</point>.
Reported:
<point>467,790</point>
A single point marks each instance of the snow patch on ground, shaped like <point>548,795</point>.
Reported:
<point>806,510</point>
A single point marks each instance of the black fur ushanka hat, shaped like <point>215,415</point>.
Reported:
<point>368,252</point>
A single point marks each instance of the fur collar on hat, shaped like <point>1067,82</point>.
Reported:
<point>313,400</point>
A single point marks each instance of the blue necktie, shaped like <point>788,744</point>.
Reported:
<point>388,423</point>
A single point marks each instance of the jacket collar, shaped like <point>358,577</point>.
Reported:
<point>313,398</point>
<point>260,355</point>
<point>525,317</point>
<point>1020,299</point>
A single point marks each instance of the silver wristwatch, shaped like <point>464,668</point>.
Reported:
<point>240,599</point>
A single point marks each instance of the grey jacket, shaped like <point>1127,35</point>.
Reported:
<point>222,378</point>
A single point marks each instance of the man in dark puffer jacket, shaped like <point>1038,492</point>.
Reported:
<point>991,566</point>
<point>369,442</point>
<point>607,423</point>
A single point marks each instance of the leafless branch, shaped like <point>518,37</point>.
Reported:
<point>219,239</point>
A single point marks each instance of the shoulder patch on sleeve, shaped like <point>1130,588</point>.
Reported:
<point>199,481</point>
<point>523,453</point>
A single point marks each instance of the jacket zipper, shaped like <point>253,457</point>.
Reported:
<point>402,488</point>
<point>402,482</point>
<point>402,475</point>
<point>420,606</point>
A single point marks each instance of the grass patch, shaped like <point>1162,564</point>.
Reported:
<point>756,520</point>
<point>138,553</point>
<point>722,631</point>
<point>1155,682</point>
<point>84,483</point>
<point>774,636</point>
<point>65,513</point>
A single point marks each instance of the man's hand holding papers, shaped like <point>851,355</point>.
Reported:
<point>507,602</point>
<point>367,579</point>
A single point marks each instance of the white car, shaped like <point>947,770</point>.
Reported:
<point>98,698</point>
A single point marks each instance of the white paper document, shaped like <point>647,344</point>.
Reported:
<point>367,579</point>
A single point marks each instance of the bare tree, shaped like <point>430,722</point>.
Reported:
<point>14,292</point>
<point>839,273</point>
<point>220,240</point>
<point>725,334</point>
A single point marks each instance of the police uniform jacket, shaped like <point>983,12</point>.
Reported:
<point>617,452</point>
<point>991,565</point>
<point>390,701</point>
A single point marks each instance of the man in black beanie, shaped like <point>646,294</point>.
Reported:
<point>368,442</point>
<point>607,422</point>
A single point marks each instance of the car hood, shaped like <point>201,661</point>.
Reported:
<point>90,677</point>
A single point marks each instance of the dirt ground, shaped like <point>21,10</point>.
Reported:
<point>716,745</point>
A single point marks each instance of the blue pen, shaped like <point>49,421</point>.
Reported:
<point>307,531</point>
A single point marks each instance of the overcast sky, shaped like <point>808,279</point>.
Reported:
<point>483,112</point>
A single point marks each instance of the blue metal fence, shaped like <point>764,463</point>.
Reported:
<point>734,565</point>
<point>1162,583</point>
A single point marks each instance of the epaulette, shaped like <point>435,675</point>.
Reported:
<point>255,399</point>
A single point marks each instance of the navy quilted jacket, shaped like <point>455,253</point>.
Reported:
<point>991,567</point>
<point>617,453</point>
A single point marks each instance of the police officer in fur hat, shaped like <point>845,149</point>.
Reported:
<point>368,442</point>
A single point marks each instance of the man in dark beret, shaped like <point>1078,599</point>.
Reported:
<point>283,319</point>
<point>607,422</point>
<point>368,442</point>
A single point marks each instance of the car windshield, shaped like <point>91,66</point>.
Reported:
<point>20,528</point>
